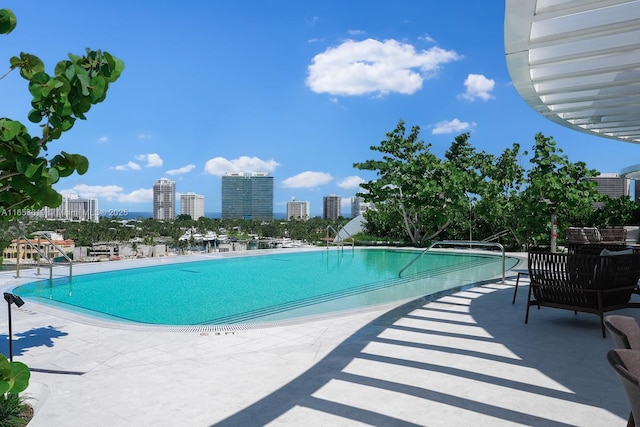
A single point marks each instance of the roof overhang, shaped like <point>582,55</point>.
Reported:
<point>577,62</point>
<point>631,172</point>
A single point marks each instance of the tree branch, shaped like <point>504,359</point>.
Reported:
<point>7,73</point>
<point>440,229</point>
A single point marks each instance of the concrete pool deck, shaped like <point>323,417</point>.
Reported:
<point>461,359</point>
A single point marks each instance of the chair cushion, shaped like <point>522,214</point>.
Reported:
<point>607,252</point>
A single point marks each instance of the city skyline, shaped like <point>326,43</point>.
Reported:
<point>301,91</point>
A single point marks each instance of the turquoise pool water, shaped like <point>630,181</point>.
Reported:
<point>261,288</point>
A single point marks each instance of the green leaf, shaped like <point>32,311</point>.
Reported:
<point>82,106</point>
<point>29,65</point>
<point>22,163</point>
<point>54,176</point>
<point>51,198</point>
<point>14,376</point>
<point>39,85</point>
<point>34,169</point>
<point>113,67</point>
<point>20,373</point>
<point>8,21</point>
<point>67,123</point>
<point>81,163</point>
<point>61,68</point>
<point>97,88</point>
<point>35,116</point>
<point>9,129</point>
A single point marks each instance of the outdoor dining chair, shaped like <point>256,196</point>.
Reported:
<point>626,364</point>
<point>624,330</point>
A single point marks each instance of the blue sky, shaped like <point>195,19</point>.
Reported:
<point>300,89</point>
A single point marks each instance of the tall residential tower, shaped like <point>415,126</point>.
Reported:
<point>331,207</point>
<point>164,199</point>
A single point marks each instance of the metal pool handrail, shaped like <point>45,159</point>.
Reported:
<point>460,243</point>
<point>338,238</point>
<point>40,235</point>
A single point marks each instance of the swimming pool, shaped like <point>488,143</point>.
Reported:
<point>261,288</point>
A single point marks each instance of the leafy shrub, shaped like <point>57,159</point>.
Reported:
<point>14,378</point>
<point>12,411</point>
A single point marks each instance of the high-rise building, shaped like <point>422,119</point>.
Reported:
<point>192,204</point>
<point>297,209</point>
<point>331,207</point>
<point>358,206</point>
<point>247,196</point>
<point>612,185</point>
<point>164,199</point>
<point>73,208</point>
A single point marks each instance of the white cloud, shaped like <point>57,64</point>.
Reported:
<point>128,166</point>
<point>312,21</point>
<point>351,182</point>
<point>142,195</point>
<point>374,67</point>
<point>103,139</point>
<point>477,87</point>
<point>110,193</point>
<point>144,135</point>
<point>153,160</point>
<point>220,166</point>
<point>179,171</point>
<point>427,38</point>
<point>307,180</point>
<point>451,126</point>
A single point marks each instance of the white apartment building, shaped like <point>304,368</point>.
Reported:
<point>358,206</point>
<point>297,209</point>
<point>192,204</point>
<point>72,208</point>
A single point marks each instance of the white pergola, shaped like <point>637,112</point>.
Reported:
<point>577,62</point>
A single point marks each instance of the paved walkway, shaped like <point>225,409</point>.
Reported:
<point>466,359</point>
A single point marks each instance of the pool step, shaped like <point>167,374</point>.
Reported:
<point>331,296</point>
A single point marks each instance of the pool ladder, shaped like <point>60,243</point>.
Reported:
<point>41,254</point>
<point>339,239</point>
<point>465,243</point>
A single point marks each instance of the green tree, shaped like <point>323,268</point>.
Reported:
<point>615,211</point>
<point>555,186</point>
<point>414,191</point>
<point>27,175</point>
<point>496,209</point>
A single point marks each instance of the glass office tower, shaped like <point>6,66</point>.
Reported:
<point>247,196</point>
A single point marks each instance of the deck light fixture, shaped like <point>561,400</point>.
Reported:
<point>12,299</point>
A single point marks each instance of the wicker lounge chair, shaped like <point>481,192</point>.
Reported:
<point>613,235</point>
<point>626,364</point>
<point>586,283</point>
<point>591,240</point>
<point>576,235</point>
